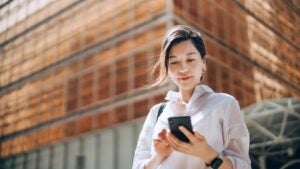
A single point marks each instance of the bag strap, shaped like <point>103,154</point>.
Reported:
<point>160,110</point>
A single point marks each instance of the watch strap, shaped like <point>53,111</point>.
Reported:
<point>215,163</point>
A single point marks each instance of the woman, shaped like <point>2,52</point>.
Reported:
<point>220,138</point>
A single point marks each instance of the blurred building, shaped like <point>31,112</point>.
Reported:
<point>72,74</point>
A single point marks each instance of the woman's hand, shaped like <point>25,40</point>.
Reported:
<point>197,145</point>
<point>162,146</point>
<point>162,150</point>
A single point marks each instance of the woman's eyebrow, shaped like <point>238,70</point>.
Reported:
<point>191,53</point>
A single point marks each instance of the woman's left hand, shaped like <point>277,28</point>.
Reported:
<point>197,145</point>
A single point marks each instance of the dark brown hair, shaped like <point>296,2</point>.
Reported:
<point>175,35</point>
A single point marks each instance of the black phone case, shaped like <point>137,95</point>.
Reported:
<point>175,122</point>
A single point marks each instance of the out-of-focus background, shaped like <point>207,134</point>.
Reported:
<point>72,76</point>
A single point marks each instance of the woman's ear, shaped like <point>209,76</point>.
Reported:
<point>204,65</point>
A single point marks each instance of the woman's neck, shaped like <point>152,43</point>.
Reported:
<point>186,95</point>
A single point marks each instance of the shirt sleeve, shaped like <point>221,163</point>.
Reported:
<point>143,149</point>
<point>236,137</point>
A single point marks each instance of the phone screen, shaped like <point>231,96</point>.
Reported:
<point>175,122</point>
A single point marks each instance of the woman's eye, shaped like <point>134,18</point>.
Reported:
<point>190,60</point>
<point>173,63</point>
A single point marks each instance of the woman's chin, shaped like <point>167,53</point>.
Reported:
<point>187,86</point>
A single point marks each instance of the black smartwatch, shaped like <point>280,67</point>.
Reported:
<point>215,163</point>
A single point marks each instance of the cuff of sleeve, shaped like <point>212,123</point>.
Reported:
<point>238,163</point>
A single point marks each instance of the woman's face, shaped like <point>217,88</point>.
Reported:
<point>185,65</point>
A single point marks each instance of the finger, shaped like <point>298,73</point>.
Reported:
<point>156,142</point>
<point>159,144</point>
<point>163,134</point>
<point>198,135</point>
<point>188,134</point>
<point>164,131</point>
<point>176,143</point>
<point>160,135</point>
<point>164,140</point>
<point>172,139</point>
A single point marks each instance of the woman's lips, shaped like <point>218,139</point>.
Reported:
<point>185,78</point>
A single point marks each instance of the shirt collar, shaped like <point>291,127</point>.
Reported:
<point>199,91</point>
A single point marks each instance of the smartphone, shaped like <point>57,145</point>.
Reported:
<point>175,122</point>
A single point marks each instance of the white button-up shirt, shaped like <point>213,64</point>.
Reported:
<point>214,115</point>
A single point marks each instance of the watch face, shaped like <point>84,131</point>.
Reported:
<point>216,163</point>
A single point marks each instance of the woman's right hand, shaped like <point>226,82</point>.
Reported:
<point>162,150</point>
<point>162,146</point>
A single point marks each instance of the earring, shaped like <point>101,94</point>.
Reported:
<point>202,75</point>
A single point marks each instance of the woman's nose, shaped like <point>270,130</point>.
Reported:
<point>183,68</point>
